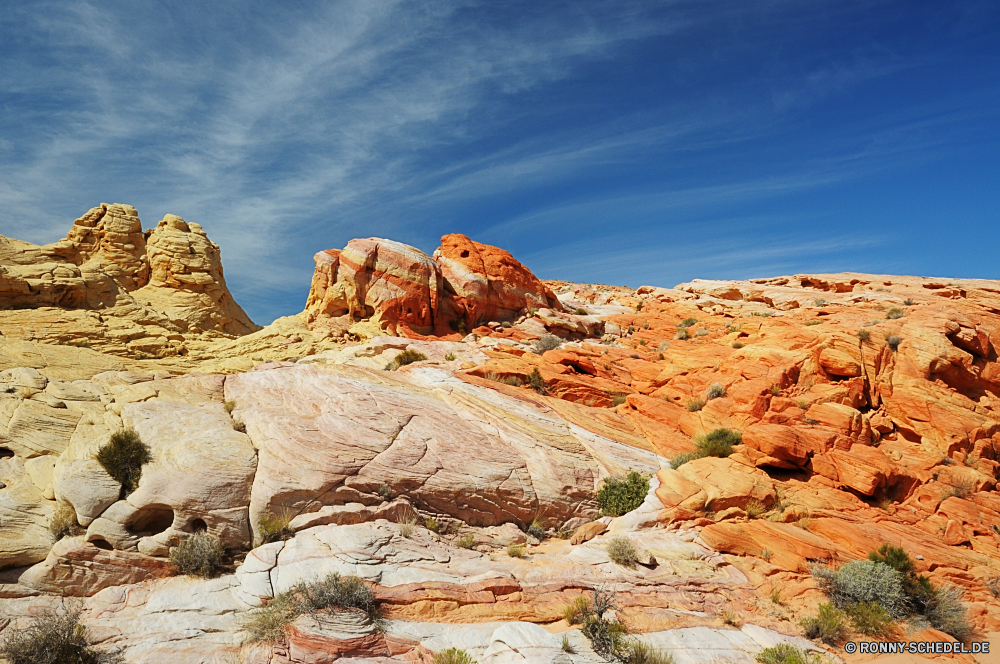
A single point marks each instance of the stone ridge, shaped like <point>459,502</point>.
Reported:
<point>111,286</point>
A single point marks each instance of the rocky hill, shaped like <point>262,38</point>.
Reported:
<point>450,430</point>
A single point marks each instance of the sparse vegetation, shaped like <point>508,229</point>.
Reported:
<point>775,390</point>
<point>687,322</point>
<point>962,489</point>
<point>580,311</point>
<point>715,391</point>
<point>864,335</point>
<point>618,399</point>
<point>638,652</point>
<point>274,527</point>
<point>384,491</point>
<point>536,382</point>
<point>407,526</point>
<point>776,596</point>
<point>450,357</point>
<point>696,404</point>
<point>643,342</point>
<point>513,381</point>
<point>737,345</point>
<point>64,523</point>
<point>453,656</point>
<point>893,341</point>
<point>829,625</point>
<point>683,458</point>
<point>803,404</point>
<point>754,509</point>
<point>536,528</point>
<point>405,357</point>
<point>730,617</point>
<point>765,555</point>
<point>466,541</point>
<point>229,406</point>
<point>908,301</point>
<point>619,495</point>
<point>813,322</point>
<point>700,332</point>
<point>267,625</point>
<point>517,551</point>
<point>432,524</point>
<point>871,619</point>
<point>547,342</point>
<point>663,346</point>
<point>638,307</point>
<point>682,334</point>
<point>123,457</point>
<point>895,312</point>
<point>622,552</point>
<point>718,443</point>
<point>575,612</point>
<point>52,638</point>
<point>566,645</point>
<point>786,653</point>
<point>200,554</point>
<point>819,302</point>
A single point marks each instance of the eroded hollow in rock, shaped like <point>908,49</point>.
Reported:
<point>102,544</point>
<point>5,453</point>
<point>150,520</point>
<point>198,526</point>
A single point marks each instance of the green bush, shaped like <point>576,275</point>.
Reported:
<point>466,541</point>
<point>895,312</point>
<point>864,335</point>
<point>517,551</point>
<point>198,555</point>
<point>718,443</point>
<point>784,653</point>
<point>687,322</point>
<point>63,522</point>
<point>683,458</point>
<point>52,638</point>
<point>893,341</point>
<point>580,311</point>
<point>871,619</point>
<point>619,496</point>
<point>715,391</point>
<point>453,656</point>
<point>406,357</point>
<point>123,457</point>
<point>274,527</point>
<point>536,528</point>
<point>775,390</point>
<point>618,399</point>
<point>575,612</point>
<point>432,524</point>
<point>450,357</point>
<point>865,581</point>
<point>637,652</point>
<point>696,404</point>
<point>737,344</point>
<point>536,382</point>
<point>829,625</point>
<point>682,334</point>
<point>622,552</point>
<point>754,509</point>
<point>268,624</point>
<point>945,611</point>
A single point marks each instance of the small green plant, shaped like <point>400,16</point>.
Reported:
<point>895,312</point>
<point>775,390</point>
<point>776,596</point>
<point>638,307</point>
<point>813,322</point>
<point>864,335</point>
<point>829,625</point>
<point>871,619</point>
<point>737,345</point>
<point>694,405</point>
<point>638,652</point>
<point>452,656</point>
<point>618,399</point>
<point>683,458</point>
<point>52,638</point>
<point>785,653</point>
<point>682,334</point>
<point>432,524</point>
<point>123,457</point>
<point>274,527</point>
<point>505,324</point>
<point>533,311</point>
<point>384,491</point>
<point>607,637</point>
<point>803,404</point>
<point>536,382</point>
<point>643,342</point>
<point>580,311</point>
<point>406,527</point>
<point>715,391</point>
<point>962,489</point>
<point>908,301</point>
<point>406,357</point>
<point>450,357</point>
<point>229,406</point>
<point>566,645</point>
<point>536,528</point>
<point>893,341</point>
<point>466,541</point>
<point>547,342</point>
<point>63,522</point>
<point>622,552</point>
<point>765,555</point>
<point>687,322</point>
<point>517,551</point>
<point>619,495</point>
<point>730,617</point>
<point>645,325</point>
<point>200,554</point>
<point>754,509</point>
<point>575,612</point>
<point>718,443</point>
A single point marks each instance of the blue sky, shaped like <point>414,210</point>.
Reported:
<point>619,142</point>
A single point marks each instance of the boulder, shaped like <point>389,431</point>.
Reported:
<point>77,568</point>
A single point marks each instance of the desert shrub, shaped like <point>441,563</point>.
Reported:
<point>738,344</point>
<point>52,638</point>
<point>274,527</point>
<point>384,491</point>
<point>466,541</point>
<point>229,406</point>
<point>638,307</point>
<point>63,522</point>
<point>450,357</point>
<point>622,552</point>
<point>784,653</point>
<point>687,322</point>
<point>643,342</point>
<point>536,382</point>
<point>123,456</point>
<point>200,554</point>
<point>775,390</point>
<point>870,618</point>
<point>696,404</point>
<point>908,301</point>
<point>864,335</point>
<point>893,341</point>
<point>829,625</point>
<point>682,334</point>
<point>776,596</point>
<point>663,346</point>
<point>637,652</point>
<point>566,645</point>
<point>580,311</point>
<point>406,357</point>
<point>945,611</point>
<point>700,332</point>
<point>730,617</point>
<point>645,325</point>
<point>766,554</point>
<point>962,489</point>
<point>993,585</point>
<point>406,527</point>
<point>803,404</point>
<point>547,342</point>
<point>865,581</point>
<point>715,391</point>
<point>536,528</point>
<point>268,623</point>
<point>575,612</point>
<point>819,302</point>
<point>619,495</point>
<point>683,458</point>
<point>813,322</point>
<point>618,399</point>
<point>607,637</point>
<point>717,443</point>
<point>517,551</point>
<point>755,509</point>
<point>453,656</point>
<point>895,312</point>
<point>432,524</point>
